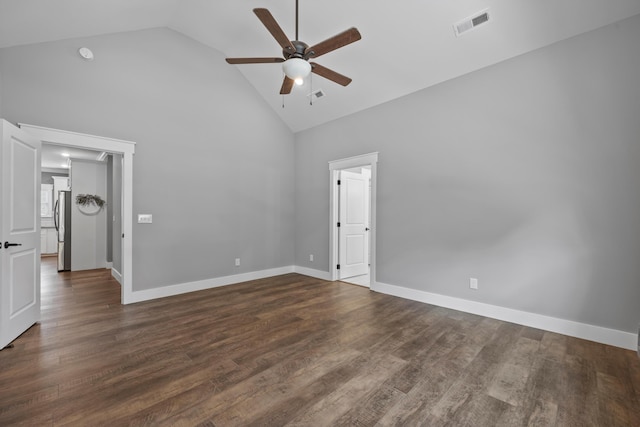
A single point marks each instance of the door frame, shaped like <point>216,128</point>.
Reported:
<point>335,166</point>
<point>118,146</point>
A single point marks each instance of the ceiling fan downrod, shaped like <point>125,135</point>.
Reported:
<point>297,38</point>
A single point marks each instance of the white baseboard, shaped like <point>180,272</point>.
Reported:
<point>109,265</point>
<point>183,288</point>
<point>116,275</point>
<point>318,274</point>
<point>599,334</point>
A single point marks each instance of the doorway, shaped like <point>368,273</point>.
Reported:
<point>354,212</point>
<point>126,150</point>
<point>352,219</point>
<point>81,237</point>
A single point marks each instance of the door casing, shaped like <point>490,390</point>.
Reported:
<point>98,143</point>
<point>335,167</point>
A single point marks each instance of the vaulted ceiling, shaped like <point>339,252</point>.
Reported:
<point>406,45</point>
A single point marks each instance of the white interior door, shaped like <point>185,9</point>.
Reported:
<point>19,232</point>
<point>354,223</point>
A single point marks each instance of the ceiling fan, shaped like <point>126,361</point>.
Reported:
<point>296,54</point>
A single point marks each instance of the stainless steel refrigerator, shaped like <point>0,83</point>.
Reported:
<point>62,221</point>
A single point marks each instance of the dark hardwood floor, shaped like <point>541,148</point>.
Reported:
<point>293,350</point>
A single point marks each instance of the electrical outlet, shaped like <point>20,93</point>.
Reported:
<point>473,283</point>
<point>311,257</point>
<point>237,262</point>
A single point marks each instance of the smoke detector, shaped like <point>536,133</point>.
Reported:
<point>86,53</point>
<point>471,22</point>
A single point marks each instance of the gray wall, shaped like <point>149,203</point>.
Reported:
<point>88,231</point>
<point>116,209</point>
<point>213,162</point>
<point>109,208</point>
<point>524,175</point>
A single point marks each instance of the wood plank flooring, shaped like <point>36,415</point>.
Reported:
<point>297,351</point>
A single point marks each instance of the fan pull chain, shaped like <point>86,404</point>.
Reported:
<point>311,89</point>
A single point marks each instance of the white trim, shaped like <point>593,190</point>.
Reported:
<point>64,171</point>
<point>99,143</point>
<point>353,162</point>
<point>116,275</point>
<point>566,327</point>
<point>183,288</point>
<point>65,137</point>
<point>318,274</point>
<point>335,166</point>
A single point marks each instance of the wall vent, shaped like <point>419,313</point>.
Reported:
<point>471,22</point>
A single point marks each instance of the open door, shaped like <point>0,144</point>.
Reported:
<point>19,232</point>
<point>354,223</point>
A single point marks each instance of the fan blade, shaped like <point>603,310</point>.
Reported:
<point>269,21</point>
<point>287,85</point>
<point>344,38</point>
<point>330,74</point>
<point>254,60</point>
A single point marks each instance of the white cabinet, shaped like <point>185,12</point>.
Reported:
<point>43,240</point>
<point>48,241</point>
<point>46,201</point>
<point>60,183</point>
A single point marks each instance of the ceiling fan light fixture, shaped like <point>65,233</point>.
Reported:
<point>296,53</point>
<point>296,69</point>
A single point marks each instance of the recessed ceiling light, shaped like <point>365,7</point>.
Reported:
<point>66,155</point>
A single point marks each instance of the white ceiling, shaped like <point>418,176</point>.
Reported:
<point>406,45</point>
<point>56,156</point>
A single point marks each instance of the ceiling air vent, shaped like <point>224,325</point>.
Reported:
<point>317,94</point>
<point>471,22</point>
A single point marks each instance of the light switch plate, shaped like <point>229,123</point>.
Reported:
<point>145,218</point>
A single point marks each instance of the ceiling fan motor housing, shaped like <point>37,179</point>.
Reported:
<point>300,47</point>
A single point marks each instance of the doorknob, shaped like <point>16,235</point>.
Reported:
<point>7,244</point>
<point>366,229</point>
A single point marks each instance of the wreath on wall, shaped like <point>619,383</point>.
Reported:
<point>89,201</point>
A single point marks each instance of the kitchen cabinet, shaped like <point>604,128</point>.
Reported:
<point>48,241</point>
<point>60,183</point>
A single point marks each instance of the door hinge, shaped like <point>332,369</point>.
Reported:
<point>338,224</point>
<point>338,266</point>
<point>338,182</point>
